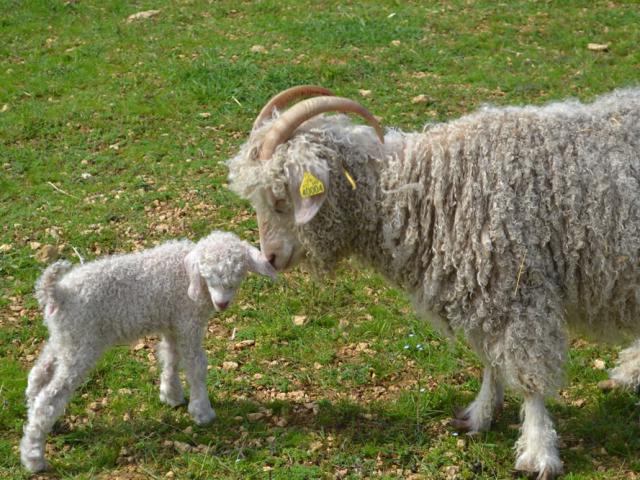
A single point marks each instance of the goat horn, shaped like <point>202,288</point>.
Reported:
<point>282,129</point>
<point>286,97</point>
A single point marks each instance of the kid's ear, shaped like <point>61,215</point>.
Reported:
<point>308,189</point>
<point>196,290</point>
<point>259,264</point>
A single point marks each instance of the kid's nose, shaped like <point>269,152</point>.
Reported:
<point>222,305</point>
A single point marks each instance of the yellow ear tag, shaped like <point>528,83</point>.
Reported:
<point>310,186</point>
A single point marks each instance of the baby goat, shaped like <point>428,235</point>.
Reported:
<point>169,290</point>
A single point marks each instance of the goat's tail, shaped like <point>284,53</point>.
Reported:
<point>47,294</point>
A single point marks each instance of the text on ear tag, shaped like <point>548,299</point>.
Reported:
<point>310,186</point>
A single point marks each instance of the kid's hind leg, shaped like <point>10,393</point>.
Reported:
<point>626,373</point>
<point>50,402</point>
<point>170,387</point>
<point>41,373</point>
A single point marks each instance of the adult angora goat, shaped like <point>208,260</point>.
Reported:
<point>508,224</point>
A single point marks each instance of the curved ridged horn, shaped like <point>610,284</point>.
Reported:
<point>287,96</point>
<point>284,126</point>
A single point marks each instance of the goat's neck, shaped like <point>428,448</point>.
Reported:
<point>401,194</point>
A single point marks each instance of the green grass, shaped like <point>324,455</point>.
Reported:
<point>150,109</point>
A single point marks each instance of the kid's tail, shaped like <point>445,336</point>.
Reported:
<point>46,291</point>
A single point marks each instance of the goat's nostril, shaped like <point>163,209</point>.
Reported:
<point>222,305</point>
<point>272,260</point>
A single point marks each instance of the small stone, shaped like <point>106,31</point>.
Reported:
<point>315,446</point>
<point>142,15</point>
<point>598,47</point>
<point>396,43</point>
<point>5,247</point>
<point>451,471</point>
<point>299,320</point>
<point>419,99</point>
<point>244,344</point>
<point>599,364</point>
<point>280,421</point>
<point>258,49</point>
<point>254,417</point>
<point>182,447</point>
<point>230,366</point>
<point>579,403</point>
<point>365,93</point>
<point>47,254</point>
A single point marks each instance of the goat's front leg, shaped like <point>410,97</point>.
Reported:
<point>194,360</point>
<point>170,387</point>
<point>477,417</point>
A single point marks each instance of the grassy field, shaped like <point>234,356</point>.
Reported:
<point>112,138</point>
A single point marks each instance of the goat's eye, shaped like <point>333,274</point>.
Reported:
<point>280,206</point>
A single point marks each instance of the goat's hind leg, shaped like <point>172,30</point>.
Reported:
<point>477,417</point>
<point>171,391</point>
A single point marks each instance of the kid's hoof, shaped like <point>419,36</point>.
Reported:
<point>35,465</point>
<point>204,418</point>
<point>172,401</point>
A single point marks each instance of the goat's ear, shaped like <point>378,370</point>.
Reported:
<point>259,264</point>
<point>308,189</point>
<point>196,290</point>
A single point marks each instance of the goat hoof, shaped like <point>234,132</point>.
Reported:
<point>546,474</point>
<point>460,420</point>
